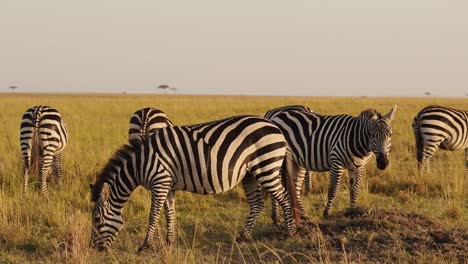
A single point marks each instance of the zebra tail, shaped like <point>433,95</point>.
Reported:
<point>288,175</point>
<point>419,141</point>
<point>35,153</point>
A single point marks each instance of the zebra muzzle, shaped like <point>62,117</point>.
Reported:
<point>382,161</point>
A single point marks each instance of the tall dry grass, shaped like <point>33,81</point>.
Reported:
<point>56,228</point>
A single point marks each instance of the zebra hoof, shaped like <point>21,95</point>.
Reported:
<point>243,238</point>
<point>292,232</point>
<point>144,247</point>
<point>326,213</point>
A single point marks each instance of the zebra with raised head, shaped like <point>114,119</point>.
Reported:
<point>270,114</point>
<point>336,143</point>
<point>43,137</point>
<point>437,127</point>
<point>145,122</point>
<point>208,158</point>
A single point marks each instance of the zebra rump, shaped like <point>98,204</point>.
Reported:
<point>145,122</point>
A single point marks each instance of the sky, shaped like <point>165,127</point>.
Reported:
<point>242,47</point>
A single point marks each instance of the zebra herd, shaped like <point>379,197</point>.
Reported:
<point>273,154</point>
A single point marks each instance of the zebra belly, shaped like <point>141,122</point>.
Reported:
<point>207,184</point>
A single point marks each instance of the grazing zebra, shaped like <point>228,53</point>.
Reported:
<point>440,127</point>
<point>335,143</point>
<point>270,114</point>
<point>209,158</point>
<point>43,137</point>
<point>145,122</point>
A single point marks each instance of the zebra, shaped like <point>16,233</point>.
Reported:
<point>208,158</point>
<point>335,143</point>
<point>145,122</point>
<point>270,114</point>
<point>43,137</point>
<point>437,127</point>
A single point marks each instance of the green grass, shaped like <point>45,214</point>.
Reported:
<point>56,228</point>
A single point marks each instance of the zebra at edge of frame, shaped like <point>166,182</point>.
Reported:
<point>208,158</point>
<point>270,114</point>
<point>43,137</point>
<point>335,143</point>
<point>441,127</point>
<point>145,122</point>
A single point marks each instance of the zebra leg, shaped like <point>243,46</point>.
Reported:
<point>45,165</point>
<point>354,183</point>
<point>429,150</point>
<point>466,163</point>
<point>159,195</point>
<point>57,169</point>
<point>169,208</point>
<point>308,183</point>
<point>44,170</point>
<point>25,174</point>
<point>335,177</point>
<point>299,181</point>
<point>298,185</point>
<point>274,211</point>
<point>255,200</point>
<point>279,195</point>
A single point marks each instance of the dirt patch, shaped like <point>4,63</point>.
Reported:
<point>382,235</point>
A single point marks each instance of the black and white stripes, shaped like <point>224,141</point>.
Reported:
<point>270,114</point>
<point>145,122</point>
<point>43,137</point>
<point>209,158</point>
<point>442,127</point>
<point>335,143</point>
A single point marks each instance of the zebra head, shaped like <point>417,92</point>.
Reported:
<point>106,222</point>
<point>381,136</point>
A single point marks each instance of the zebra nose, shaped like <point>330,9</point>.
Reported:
<point>382,161</point>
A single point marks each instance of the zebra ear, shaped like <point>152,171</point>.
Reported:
<point>105,192</point>
<point>391,115</point>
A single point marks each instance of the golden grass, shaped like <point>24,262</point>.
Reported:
<point>56,228</point>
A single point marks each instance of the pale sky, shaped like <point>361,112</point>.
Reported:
<point>247,47</point>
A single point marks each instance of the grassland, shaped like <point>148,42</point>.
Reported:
<point>406,217</point>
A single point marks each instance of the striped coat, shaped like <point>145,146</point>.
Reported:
<point>43,137</point>
<point>209,158</point>
<point>441,127</point>
<point>336,143</point>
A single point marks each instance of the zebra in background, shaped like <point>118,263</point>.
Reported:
<point>43,137</point>
<point>335,143</point>
<point>270,114</point>
<point>437,127</point>
<point>209,158</point>
<point>145,122</point>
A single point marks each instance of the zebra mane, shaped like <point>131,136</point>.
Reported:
<point>106,174</point>
<point>371,114</point>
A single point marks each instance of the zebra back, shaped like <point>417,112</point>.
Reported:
<point>270,114</point>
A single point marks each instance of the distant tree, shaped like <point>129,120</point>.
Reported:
<point>13,88</point>
<point>163,87</point>
<point>173,89</point>
<point>427,93</point>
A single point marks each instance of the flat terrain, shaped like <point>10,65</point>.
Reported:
<point>402,217</point>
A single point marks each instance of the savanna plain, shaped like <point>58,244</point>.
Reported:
<point>402,216</point>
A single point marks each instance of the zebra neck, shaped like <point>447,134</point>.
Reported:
<point>123,186</point>
<point>364,135</point>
